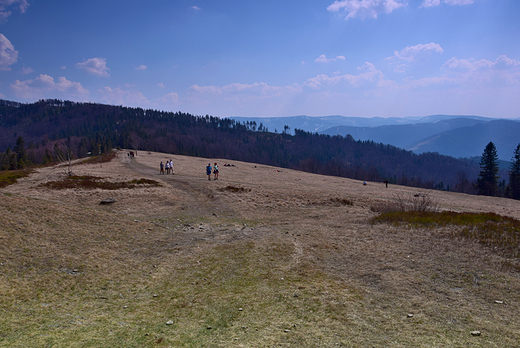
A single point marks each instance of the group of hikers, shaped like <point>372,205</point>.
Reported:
<point>168,167</point>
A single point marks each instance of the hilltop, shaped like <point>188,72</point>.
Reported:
<point>265,256</point>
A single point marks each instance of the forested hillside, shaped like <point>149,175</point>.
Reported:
<point>37,132</point>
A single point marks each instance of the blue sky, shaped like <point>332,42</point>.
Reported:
<point>361,58</point>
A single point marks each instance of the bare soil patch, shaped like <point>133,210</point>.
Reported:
<point>261,257</point>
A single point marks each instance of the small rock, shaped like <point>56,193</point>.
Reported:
<point>240,309</point>
<point>209,327</point>
<point>107,201</point>
<point>169,322</point>
<point>125,307</point>
<point>499,302</point>
<point>475,333</point>
<point>410,315</point>
<point>154,295</point>
<point>287,330</point>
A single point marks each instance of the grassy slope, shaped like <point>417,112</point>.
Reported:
<point>305,274</point>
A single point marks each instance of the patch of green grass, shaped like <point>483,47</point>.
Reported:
<point>91,182</point>
<point>489,229</point>
<point>9,177</point>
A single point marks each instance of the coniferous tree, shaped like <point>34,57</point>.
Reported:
<point>21,153</point>
<point>513,189</point>
<point>487,182</point>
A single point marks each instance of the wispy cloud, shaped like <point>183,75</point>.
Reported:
<point>141,67</point>
<point>95,66</point>
<point>401,60</point>
<point>365,8</point>
<point>368,75</point>
<point>160,84</point>
<point>433,3</point>
<point>27,70</point>
<point>171,98</point>
<point>324,59</point>
<point>119,96</point>
<point>6,4</point>
<point>196,8</point>
<point>8,55</point>
<point>44,85</point>
<point>471,73</point>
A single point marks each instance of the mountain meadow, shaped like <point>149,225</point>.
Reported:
<point>262,257</point>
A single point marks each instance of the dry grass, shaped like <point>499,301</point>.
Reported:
<point>89,182</point>
<point>280,263</point>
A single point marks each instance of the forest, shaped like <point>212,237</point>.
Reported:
<point>44,131</point>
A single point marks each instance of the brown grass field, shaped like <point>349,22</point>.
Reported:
<point>262,257</point>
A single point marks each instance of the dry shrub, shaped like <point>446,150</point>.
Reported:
<point>418,203</point>
<point>235,189</point>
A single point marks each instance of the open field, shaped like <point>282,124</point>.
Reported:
<point>263,257</point>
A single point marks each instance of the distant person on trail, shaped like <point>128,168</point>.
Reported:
<point>215,171</point>
<point>162,168</point>
<point>386,182</point>
<point>171,166</point>
<point>167,167</point>
<point>208,171</point>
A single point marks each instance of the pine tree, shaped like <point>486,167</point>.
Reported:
<point>21,153</point>
<point>513,189</point>
<point>487,182</point>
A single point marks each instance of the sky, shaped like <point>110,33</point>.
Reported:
<point>364,58</point>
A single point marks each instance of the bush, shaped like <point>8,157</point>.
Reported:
<point>418,203</point>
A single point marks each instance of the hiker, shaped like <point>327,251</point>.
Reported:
<point>171,166</point>
<point>167,167</point>
<point>208,171</point>
<point>215,171</point>
<point>162,168</point>
<point>386,182</point>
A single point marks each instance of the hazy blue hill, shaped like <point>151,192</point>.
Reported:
<point>405,135</point>
<point>322,124</point>
<point>471,141</point>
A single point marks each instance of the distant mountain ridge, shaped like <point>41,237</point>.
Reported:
<point>452,135</point>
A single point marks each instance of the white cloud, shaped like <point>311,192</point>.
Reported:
<point>27,70</point>
<point>63,67</point>
<point>44,85</point>
<point>118,96</point>
<point>432,3</point>
<point>369,76</point>
<point>324,59</point>
<point>412,54</point>
<point>4,4</point>
<point>95,66</point>
<point>365,8</point>
<point>172,98</point>
<point>160,84</point>
<point>196,8</point>
<point>141,67</point>
<point>475,74</point>
<point>8,55</point>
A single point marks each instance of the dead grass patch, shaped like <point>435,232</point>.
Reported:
<point>88,182</point>
<point>234,189</point>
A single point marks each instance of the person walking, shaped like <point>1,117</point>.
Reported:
<point>171,166</point>
<point>208,171</point>
<point>215,170</point>
<point>162,168</point>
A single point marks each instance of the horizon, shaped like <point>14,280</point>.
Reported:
<point>350,58</point>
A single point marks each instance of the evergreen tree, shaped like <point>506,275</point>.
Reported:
<point>21,153</point>
<point>513,189</point>
<point>487,182</point>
